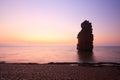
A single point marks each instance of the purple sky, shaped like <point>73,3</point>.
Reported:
<point>58,21</point>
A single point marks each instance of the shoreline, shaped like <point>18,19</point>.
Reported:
<point>95,64</point>
<point>58,71</point>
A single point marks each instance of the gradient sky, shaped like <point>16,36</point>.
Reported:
<point>58,21</point>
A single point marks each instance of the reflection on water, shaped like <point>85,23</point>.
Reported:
<point>57,53</point>
<point>85,56</point>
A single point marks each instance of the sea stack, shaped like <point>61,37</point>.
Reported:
<point>85,37</point>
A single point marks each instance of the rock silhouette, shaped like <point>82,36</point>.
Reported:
<point>85,56</point>
<point>85,37</point>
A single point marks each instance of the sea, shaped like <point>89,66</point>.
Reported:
<point>47,53</point>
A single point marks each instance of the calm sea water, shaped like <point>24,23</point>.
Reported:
<point>57,53</point>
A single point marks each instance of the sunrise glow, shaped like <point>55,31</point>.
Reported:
<point>58,21</point>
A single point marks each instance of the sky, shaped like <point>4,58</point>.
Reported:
<point>58,21</point>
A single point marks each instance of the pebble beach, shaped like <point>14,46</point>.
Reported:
<point>24,71</point>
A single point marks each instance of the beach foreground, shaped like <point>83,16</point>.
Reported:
<point>13,71</point>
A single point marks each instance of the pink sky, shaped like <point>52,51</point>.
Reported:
<point>58,21</point>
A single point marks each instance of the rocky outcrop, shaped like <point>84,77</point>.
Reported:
<point>85,37</point>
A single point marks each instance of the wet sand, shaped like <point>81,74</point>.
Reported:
<point>13,71</point>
